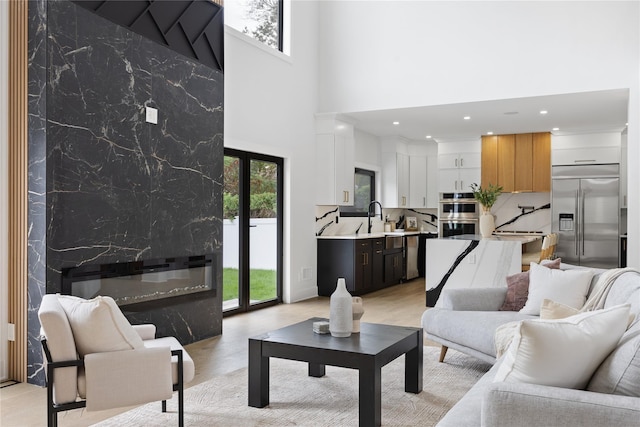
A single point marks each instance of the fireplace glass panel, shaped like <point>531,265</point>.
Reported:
<point>141,281</point>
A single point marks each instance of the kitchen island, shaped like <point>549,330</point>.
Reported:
<point>367,261</point>
<point>470,260</point>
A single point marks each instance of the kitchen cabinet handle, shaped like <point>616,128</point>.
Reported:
<point>584,161</point>
<point>461,163</point>
<point>424,202</point>
<point>456,184</point>
<point>456,162</point>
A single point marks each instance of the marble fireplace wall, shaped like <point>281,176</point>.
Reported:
<point>117,188</point>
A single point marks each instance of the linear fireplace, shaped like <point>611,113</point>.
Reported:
<point>142,285</point>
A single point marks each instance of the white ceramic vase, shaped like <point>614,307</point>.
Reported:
<point>487,224</point>
<point>341,311</point>
<point>358,312</point>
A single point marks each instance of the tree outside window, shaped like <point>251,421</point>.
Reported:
<point>260,19</point>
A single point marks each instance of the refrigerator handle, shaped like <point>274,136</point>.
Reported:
<point>576,234</point>
<point>582,196</point>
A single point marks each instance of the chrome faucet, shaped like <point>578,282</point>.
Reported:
<point>374,213</point>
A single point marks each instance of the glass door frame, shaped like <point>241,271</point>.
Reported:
<point>244,267</point>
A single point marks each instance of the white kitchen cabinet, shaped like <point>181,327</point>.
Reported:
<point>585,156</point>
<point>395,180</point>
<point>418,181</point>
<point>335,169</point>
<point>585,149</point>
<point>457,171</point>
<point>432,182</point>
<point>403,176</point>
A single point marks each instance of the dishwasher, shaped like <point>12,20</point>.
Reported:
<point>411,257</point>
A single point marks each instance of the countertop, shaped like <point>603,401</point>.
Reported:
<point>523,238</point>
<point>374,235</point>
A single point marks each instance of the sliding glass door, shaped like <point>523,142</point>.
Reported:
<point>252,231</point>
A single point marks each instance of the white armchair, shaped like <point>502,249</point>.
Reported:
<point>96,359</point>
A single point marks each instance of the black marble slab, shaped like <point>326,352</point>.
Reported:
<point>109,187</point>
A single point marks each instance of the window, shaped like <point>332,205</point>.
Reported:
<point>259,19</point>
<point>365,193</point>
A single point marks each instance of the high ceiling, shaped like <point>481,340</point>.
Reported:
<point>584,112</point>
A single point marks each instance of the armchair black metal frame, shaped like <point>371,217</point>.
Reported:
<point>54,408</point>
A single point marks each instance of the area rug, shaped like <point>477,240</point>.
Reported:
<point>299,400</point>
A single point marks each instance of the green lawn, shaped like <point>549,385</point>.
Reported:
<point>263,284</point>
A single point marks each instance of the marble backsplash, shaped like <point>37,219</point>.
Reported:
<point>523,212</point>
<point>330,223</point>
<point>512,211</point>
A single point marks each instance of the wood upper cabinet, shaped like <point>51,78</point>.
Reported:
<point>506,162</point>
<point>524,164</point>
<point>542,162</point>
<point>489,172</point>
<point>519,163</point>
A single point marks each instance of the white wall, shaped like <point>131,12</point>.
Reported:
<point>270,102</point>
<point>396,54</point>
<point>4,178</point>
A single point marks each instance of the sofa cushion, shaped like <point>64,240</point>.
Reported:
<point>566,287</point>
<point>565,352</point>
<point>472,329</point>
<point>620,371</point>
<point>518,288</point>
<point>98,325</point>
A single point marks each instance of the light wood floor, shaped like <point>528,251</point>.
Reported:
<point>25,404</point>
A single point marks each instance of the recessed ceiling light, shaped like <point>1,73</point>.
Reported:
<point>396,123</point>
<point>510,113</point>
<point>489,133</point>
<point>428,136</point>
<point>543,111</point>
<point>467,117</point>
<point>555,129</point>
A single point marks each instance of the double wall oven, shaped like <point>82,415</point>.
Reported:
<point>458,214</point>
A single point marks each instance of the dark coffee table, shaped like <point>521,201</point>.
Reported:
<point>371,349</point>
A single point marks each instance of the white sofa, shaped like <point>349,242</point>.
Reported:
<point>467,321</point>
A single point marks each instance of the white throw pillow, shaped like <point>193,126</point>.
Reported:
<point>568,287</point>
<point>98,325</point>
<point>554,310</point>
<point>565,352</point>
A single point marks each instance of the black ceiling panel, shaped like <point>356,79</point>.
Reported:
<point>193,28</point>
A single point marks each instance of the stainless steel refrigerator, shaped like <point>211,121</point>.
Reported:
<point>585,214</point>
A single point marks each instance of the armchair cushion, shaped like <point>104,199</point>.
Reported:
<point>124,378</point>
<point>98,325</point>
<point>146,331</point>
<point>188,367</point>
<point>57,331</point>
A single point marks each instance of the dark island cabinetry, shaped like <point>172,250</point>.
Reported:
<point>359,261</point>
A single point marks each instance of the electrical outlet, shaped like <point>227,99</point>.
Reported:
<point>306,273</point>
<point>152,115</point>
